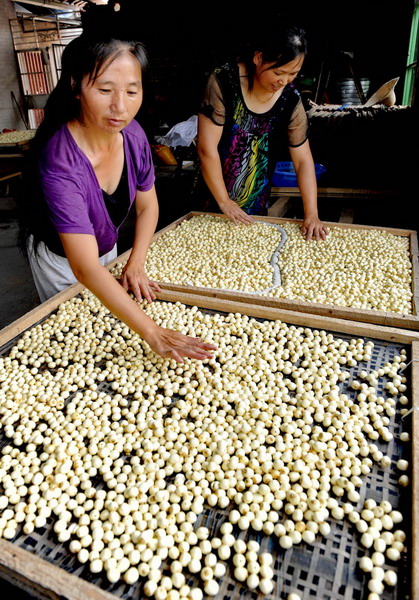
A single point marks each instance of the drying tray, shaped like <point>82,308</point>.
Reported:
<point>354,314</point>
<point>326,570</point>
<point>19,143</point>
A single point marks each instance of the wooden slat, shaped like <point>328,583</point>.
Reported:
<point>5,175</point>
<point>391,334</point>
<point>346,215</point>
<point>9,154</point>
<point>415,469</point>
<point>39,312</point>
<point>225,305</point>
<point>367,316</point>
<point>33,573</point>
<point>280,207</point>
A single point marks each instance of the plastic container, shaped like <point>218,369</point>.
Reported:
<point>285,176</point>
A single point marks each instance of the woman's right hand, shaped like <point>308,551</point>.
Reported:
<point>233,211</point>
<point>172,344</point>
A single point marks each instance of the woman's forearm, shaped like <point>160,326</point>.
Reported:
<point>82,254</point>
<point>145,226</point>
<point>306,178</point>
<point>209,136</point>
<point>307,184</point>
<point>166,342</point>
<point>213,176</point>
<point>112,295</point>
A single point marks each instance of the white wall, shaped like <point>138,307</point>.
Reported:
<point>9,78</point>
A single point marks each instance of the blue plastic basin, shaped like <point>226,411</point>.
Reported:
<point>285,176</point>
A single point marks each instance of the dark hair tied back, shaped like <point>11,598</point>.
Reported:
<point>116,20</point>
<point>279,44</point>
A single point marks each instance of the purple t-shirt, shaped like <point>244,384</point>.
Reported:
<point>72,191</point>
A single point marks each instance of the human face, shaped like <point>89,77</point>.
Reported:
<point>272,79</point>
<point>109,103</point>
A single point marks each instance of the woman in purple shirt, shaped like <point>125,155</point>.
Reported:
<point>90,162</point>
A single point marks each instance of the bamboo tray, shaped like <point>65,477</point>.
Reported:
<point>42,578</point>
<point>29,134</point>
<point>327,310</point>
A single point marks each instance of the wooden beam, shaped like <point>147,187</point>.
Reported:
<point>328,311</point>
<point>414,257</point>
<point>332,192</point>
<point>5,176</point>
<point>346,215</point>
<point>279,207</point>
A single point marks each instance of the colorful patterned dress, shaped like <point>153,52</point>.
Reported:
<point>250,142</point>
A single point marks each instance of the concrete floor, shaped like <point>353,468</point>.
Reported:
<point>17,291</point>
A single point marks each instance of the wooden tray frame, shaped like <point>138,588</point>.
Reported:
<point>341,312</point>
<point>44,580</point>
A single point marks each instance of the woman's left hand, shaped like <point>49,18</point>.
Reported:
<point>134,278</point>
<point>312,227</point>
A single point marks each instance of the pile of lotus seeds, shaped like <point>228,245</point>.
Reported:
<point>359,268</point>
<point>210,251</point>
<point>262,430</point>
<point>13,137</point>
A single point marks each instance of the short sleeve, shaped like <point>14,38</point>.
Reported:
<point>65,199</point>
<point>212,105</point>
<point>145,176</point>
<point>298,126</point>
<point>139,158</point>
